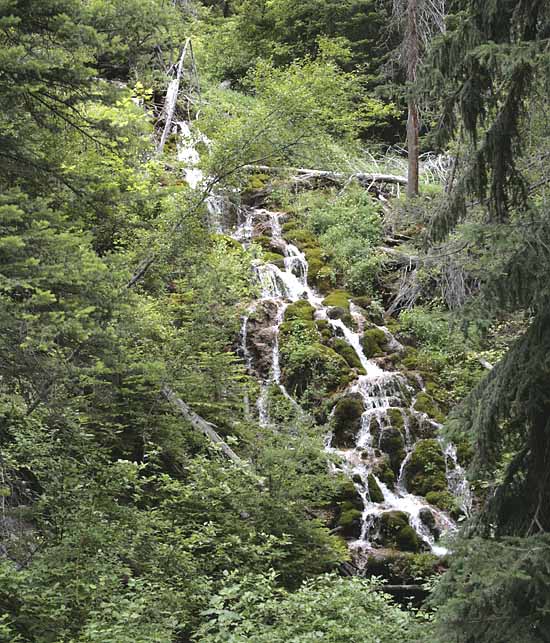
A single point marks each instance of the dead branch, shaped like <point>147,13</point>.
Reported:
<point>200,424</point>
<point>300,175</point>
<point>172,99</point>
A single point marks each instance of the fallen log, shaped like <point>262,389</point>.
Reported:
<point>303,174</point>
<point>171,101</point>
<point>200,424</point>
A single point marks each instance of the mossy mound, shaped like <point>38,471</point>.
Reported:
<point>384,472</point>
<point>395,416</point>
<point>338,299</point>
<point>375,493</point>
<point>277,260</point>
<point>346,421</point>
<point>403,567</point>
<point>425,471</point>
<point>392,443</point>
<point>325,330</point>
<point>347,352</point>
<point>363,301</point>
<point>349,523</point>
<point>306,363</point>
<point>373,342</point>
<point>444,500</point>
<point>301,309</point>
<point>395,531</point>
<point>424,403</point>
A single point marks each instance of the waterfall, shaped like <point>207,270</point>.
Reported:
<point>383,393</point>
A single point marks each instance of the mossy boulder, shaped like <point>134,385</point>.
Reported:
<point>346,421</point>
<point>349,523</point>
<point>306,363</point>
<point>275,259</point>
<point>425,471</point>
<point>424,403</point>
<point>428,519</point>
<point>362,301</point>
<point>395,531</point>
<point>384,472</point>
<point>300,309</point>
<point>398,568</point>
<point>392,443</point>
<point>325,330</point>
<point>373,342</point>
<point>338,299</point>
<point>375,493</point>
<point>444,500</point>
<point>396,419</point>
<point>347,352</point>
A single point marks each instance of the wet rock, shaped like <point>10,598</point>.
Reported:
<point>395,531</point>
<point>373,342</point>
<point>346,421</point>
<point>428,519</point>
<point>425,470</point>
<point>375,493</point>
<point>261,337</point>
<point>384,472</point>
<point>392,443</point>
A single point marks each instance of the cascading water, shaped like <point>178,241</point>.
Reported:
<point>383,393</point>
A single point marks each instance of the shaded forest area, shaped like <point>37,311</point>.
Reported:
<point>275,321</point>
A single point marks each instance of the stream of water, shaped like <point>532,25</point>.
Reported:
<point>381,391</point>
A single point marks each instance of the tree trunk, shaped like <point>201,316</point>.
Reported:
<point>413,121</point>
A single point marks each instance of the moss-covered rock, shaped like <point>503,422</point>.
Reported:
<point>346,421</point>
<point>403,567</point>
<point>325,330</point>
<point>396,419</point>
<point>347,352</point>
<point>425,471</point>
<point>392,443</point>
<point>444,500</point>
<point>300,309</point>
<point>428,519</point>
<point>362,301</point>
<point>384,472</point>
<point>395,531</point>
<point>275,259</point>
<point>373,342</point>
<point>424,403</point>
<point>338,298</point>
<point>349,523</point>
<point>375,493</point>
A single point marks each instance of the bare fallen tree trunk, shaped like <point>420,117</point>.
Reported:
<point>304,174</point>
<point>200,424</point>
<point>171,100</point>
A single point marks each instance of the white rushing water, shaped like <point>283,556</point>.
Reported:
<point>382,392</point>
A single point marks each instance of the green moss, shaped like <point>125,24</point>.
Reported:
<point>346,420</point>
<point>375,493</point>
<point>256,182</point>
<point>396,531</point>
<point>339,298</point>
<point>372,341</point>
<point>325,330</point>
<point>425,471</point>
<point>348,496</point>
<point>300,309</point>
<point>347,352</point>
<point>444,500</point>
<point>350,523</point>
<point>392,443</point>
<point>408,540</point>
<point>362,302</point>
<point>395,417</point>
<point>424,403</point>
<point>302,239</point>
<point>385,473</point>
<point>277,260</point>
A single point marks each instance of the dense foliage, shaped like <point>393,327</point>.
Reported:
<point>119,520</point>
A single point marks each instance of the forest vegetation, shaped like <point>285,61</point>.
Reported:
<point>274,321</point>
